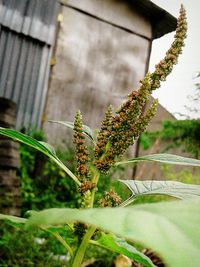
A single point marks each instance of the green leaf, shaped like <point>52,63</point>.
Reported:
<point>40,146</point>
<point>163,158</point>
<point>169,228</point>
<point>13,219</point>
<point>86,129</point>
<point>113,243</point>
<point>169,188</point>
<point>49,147</point>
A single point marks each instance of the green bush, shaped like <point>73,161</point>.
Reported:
<point>43,183</point>
<point>14,251</point>
<point>179,133</point>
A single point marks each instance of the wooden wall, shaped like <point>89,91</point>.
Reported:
<point>102,52</point>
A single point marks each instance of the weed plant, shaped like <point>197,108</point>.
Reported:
<point>169,228</point>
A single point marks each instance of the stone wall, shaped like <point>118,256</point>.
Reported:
<point>9,161</point>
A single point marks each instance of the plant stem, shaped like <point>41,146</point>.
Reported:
<point>94,180</point>
<point>82,248</point>
<point>127,201</point>
<point>64,243</point>
<point>61,240</point>
<point>86,239</point>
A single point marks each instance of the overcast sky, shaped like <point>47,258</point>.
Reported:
<point>174,91</point>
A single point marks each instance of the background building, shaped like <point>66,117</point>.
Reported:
<point>60,56</point>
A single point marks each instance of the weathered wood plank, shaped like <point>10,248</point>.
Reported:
<point>97,65</point>
<point>121,13</point>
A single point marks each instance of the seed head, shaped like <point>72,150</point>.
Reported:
<point>163,69</point>
<point>110,199</point>
<point>81,148</point>
<point>129,122</point>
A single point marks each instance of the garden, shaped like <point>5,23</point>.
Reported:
<point>76,213</point>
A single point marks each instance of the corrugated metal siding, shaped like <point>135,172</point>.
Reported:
<point>26,38</point>
<point>35,18</point>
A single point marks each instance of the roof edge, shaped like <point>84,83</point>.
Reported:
<point>162,21</point>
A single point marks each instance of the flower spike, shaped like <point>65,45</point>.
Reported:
<point>81,148</point>
<point>121,130</point>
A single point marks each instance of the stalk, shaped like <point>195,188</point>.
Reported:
<point>64,243</point>
<point>61,240</point>
<point>86,239</point>
<point>94,180</point>
<point>82,248</point>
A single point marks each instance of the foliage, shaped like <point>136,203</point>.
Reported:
<point>187,176</point>
<point>160,217</point>
<point>163,158</point>
<point>179,133</point>
<point>43,183</point>
<point>147,139</point>
<point>183,133</point>
<point>44,249</point>
<point>169,228</point>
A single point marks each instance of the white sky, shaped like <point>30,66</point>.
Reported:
<point>180,83</point>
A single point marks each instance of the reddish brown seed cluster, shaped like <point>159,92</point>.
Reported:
<point>110,199</point>
<point>104,133</point>
<point>85,186</point>
<point>119,132</point>
<point>81,149</point>
<point>165,66</point>
<point>125,127</point>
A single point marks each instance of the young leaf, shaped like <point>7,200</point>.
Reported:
<point>113,243</point>
<point>86,129</point>
<point>40,146</point>
<point>164,158</point>
<point>169,228</point>
<point>169,188</point>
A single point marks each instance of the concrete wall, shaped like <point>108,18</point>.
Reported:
<point>100,57</point>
